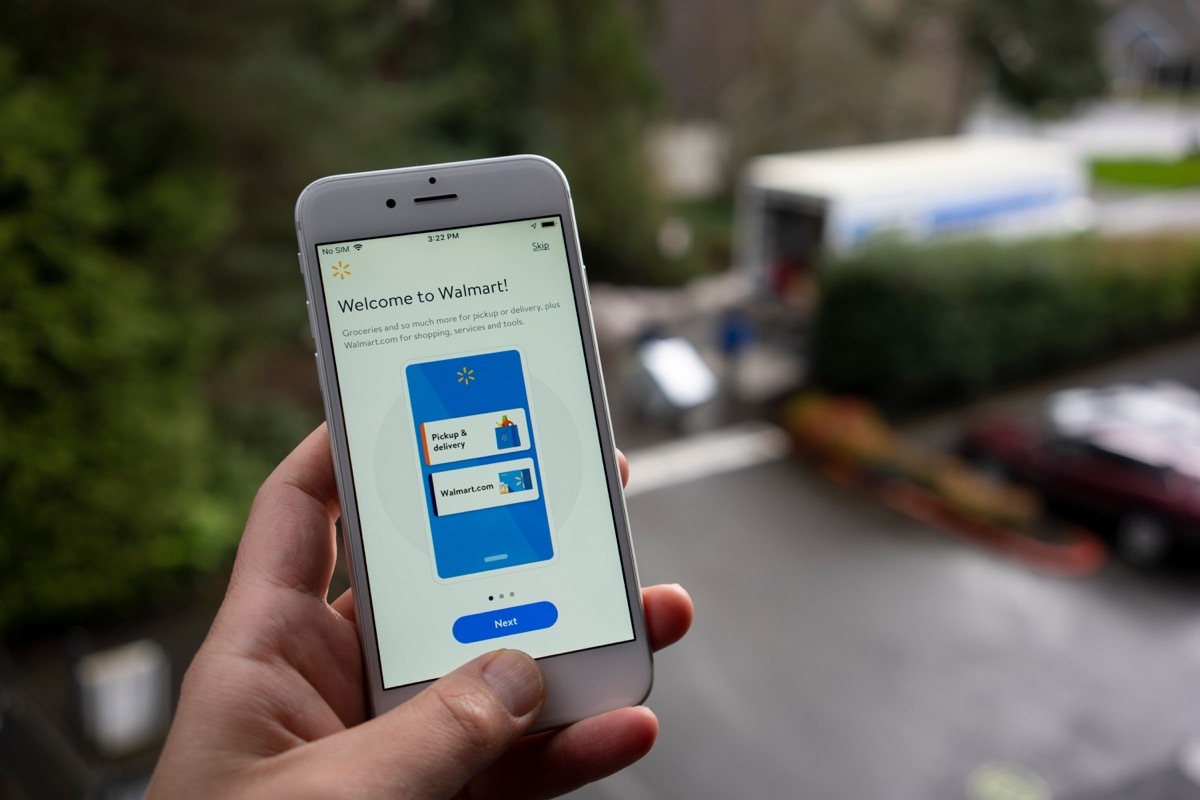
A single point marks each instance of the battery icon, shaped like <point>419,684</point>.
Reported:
<point>549,223</point>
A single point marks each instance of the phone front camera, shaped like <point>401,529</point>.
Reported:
<point>391,203</point>
<point>432,179</point>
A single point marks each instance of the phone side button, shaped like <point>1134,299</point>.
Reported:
<point>320,372</point>
<point>505,622</point>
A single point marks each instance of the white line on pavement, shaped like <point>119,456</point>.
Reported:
<point>705,454</point>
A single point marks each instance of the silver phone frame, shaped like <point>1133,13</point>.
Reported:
<point>341,208</point>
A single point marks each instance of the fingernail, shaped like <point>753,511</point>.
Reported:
<point>517,681</point>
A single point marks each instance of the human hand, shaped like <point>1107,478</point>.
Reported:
<point>274,703</point>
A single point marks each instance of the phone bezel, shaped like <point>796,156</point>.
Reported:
<point>354,206</point>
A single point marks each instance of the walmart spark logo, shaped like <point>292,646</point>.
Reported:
<point>340,270</point>
<point>466,375</point>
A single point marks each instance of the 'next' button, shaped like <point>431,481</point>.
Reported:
<point>505,622</point>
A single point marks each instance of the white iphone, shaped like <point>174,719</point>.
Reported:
<point>481,499</point>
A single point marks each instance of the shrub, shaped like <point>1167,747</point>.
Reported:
<point>107,458</point>
<point>909,325</point>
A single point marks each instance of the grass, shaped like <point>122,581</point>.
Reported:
<point>1148,173</point>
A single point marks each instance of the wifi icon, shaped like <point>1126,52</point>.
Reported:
<point>358,247</point>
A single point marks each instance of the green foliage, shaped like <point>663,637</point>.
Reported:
<point>912,325</point>
<point>1043,55</point>
<point>1141,172</point>
<point>563,78</point>
<point>106,455</point>
<point>152,333</point>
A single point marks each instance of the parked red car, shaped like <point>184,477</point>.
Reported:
<point>1126,456</point>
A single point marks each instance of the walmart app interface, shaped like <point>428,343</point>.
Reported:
<point>481,491</point>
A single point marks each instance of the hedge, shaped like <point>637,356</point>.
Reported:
<point>116,486</point>
<point>908,326</point>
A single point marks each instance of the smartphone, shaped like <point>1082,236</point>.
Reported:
<point>481,499</point>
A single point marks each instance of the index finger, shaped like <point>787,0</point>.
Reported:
<point>290,538</point>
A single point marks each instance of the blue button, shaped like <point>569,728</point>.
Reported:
<point>505,622</point>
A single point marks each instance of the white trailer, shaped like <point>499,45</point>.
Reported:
<point>793,207</point>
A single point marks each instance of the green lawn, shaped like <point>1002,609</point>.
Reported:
<point>1148,172</point>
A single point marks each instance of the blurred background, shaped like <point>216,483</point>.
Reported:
<point>899,306</point>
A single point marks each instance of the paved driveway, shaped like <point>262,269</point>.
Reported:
<point>842,651</point>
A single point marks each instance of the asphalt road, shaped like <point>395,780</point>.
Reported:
<point>844,651</point>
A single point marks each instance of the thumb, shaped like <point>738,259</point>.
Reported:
<point>436,742</point>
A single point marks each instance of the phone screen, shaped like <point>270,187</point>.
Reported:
<point>473,442</point>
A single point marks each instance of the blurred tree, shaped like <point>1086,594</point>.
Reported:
<point>567,79</point>
<point>106,463</point>
<point>1044,56</point>
<point>783,75</point>
<point>153,335</point>
<point>817,76</point>
<point>285,94</point>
